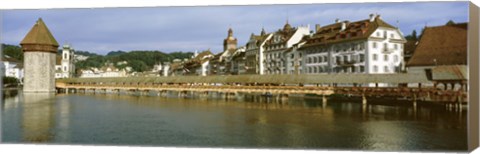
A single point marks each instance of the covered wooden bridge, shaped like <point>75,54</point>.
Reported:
<point>412,86</point>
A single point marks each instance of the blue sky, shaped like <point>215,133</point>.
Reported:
<point>169,29</point>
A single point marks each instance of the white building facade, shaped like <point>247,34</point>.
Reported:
<point>368,46</point>
<point>66,67</point>
<point>12,68</point>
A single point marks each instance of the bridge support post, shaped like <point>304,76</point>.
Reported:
<point>324,101</point>
<point>364,99</point>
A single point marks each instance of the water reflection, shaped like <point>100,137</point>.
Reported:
<point>37,117</point>
<point>212,120</point>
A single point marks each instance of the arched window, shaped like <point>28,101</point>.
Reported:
<point>309,60</point>
<point>314,69</point>
<point>320,69</point>
<point>309,70</point>
<point>314,59</point>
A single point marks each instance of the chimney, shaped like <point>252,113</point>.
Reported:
<point>317,27</point>
<point>337,20</point>
<point>344,25</point>
<point>372,17</point>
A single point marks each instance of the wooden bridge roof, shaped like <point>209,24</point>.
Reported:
<point>274,79</point>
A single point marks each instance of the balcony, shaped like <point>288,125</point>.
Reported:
<point>347,62</point>
<point>387,50</point>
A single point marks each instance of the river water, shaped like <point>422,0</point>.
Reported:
<point>246,122</point>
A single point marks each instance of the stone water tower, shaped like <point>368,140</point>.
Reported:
<point>40,51</point>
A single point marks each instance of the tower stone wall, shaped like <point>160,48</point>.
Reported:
<point>39,72</point>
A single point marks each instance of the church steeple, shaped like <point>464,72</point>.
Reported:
<point>230,42</point>
<point>287,27</point>
<point>263,32</point>
<point>230,32</point>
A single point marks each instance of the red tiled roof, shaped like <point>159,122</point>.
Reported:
<point>441,45</point>
<point>353,31</point>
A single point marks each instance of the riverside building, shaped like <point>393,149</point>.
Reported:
<point>369,46</point>
<point>278,44</point>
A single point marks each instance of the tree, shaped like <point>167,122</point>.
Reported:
<point>412,36</point>
<point>450,22</point>
<point>12,51</point>
<point>138,66</point>
<point>10,81</point>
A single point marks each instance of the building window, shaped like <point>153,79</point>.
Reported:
<point>314,59</point>
<point>386,69</point>
<point>391,35</point>
<point>320,70</point>
<point>375,68</point>
<point>309,70</point>
<point>314,69</point>
<point>375,45</point>
<point>385,57</point>
<point>362,57</point>
<point>362,69</point>
<point>309,60</point>
<point>375,57</point>
<point>378,34</point>
<point>64,68</point>
<point>395,58</point>
<point>384,34</point>
<point>395,46</point>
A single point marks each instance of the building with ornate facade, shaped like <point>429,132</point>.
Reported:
<point>367,46</point>
<point>254,53</point>
<point>278,44</point>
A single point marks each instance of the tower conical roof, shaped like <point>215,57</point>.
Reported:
<point>39,35</point>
